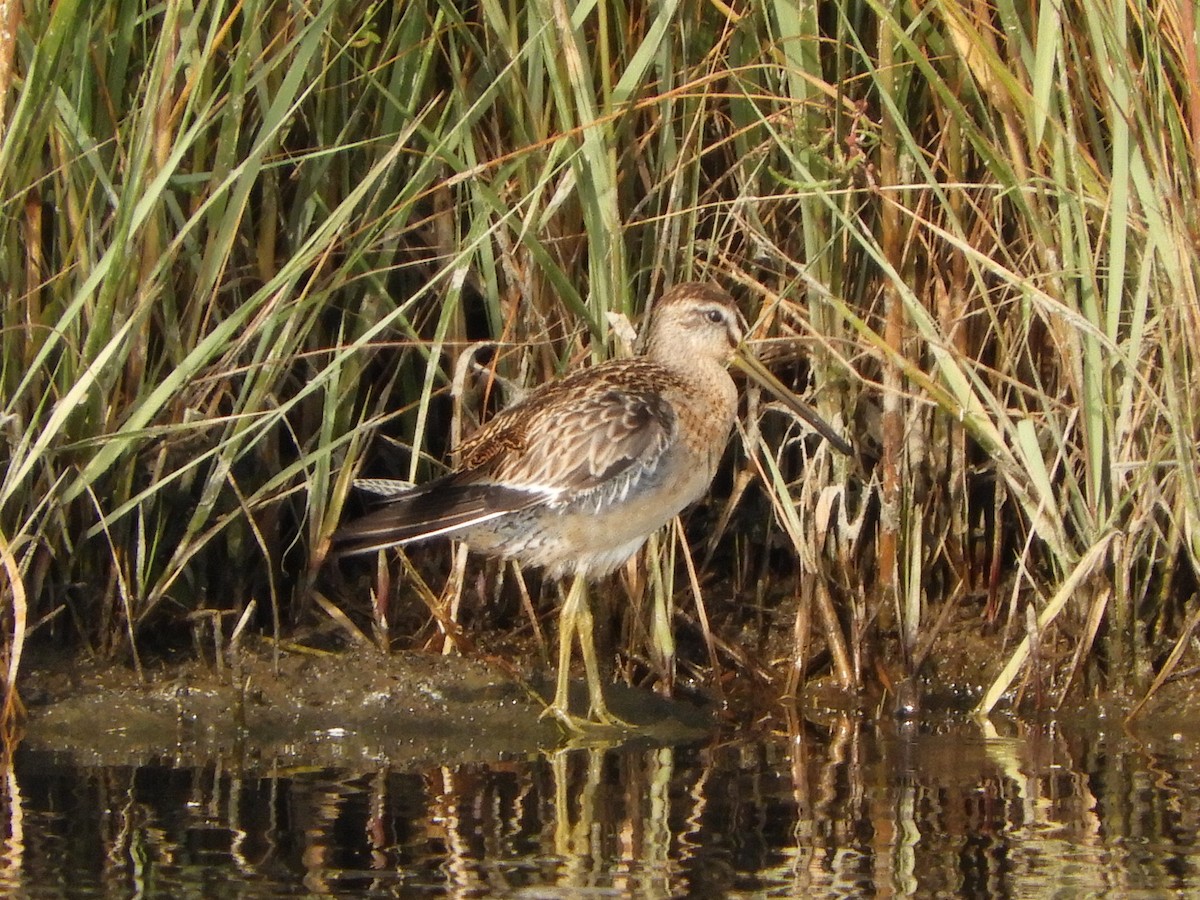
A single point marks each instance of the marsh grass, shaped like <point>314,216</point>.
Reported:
<point>238,239</point>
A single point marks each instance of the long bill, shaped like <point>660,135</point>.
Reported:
<point>749,363</point>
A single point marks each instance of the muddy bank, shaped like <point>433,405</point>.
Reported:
<point>311,708</point>
<point>308,707</point>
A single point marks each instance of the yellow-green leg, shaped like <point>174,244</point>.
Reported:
<point>576,619</point>
<point>560,709</point>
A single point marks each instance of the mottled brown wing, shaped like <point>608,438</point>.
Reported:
<point>576,435</point>
<point>602,428</point>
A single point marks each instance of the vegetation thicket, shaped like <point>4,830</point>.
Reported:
<point>238,237</point>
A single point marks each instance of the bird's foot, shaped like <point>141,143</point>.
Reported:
<point>601,716</point>
<point>597,720</point>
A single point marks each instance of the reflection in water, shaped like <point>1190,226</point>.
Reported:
<point>847,809</point>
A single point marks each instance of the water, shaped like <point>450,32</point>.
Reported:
<point>846,808</point>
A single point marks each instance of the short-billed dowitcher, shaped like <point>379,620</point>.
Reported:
<point>576,476</point>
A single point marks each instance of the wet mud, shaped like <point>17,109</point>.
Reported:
<point>300,706</point>
<point>304,707</point>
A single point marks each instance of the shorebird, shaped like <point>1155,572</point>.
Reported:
<point>575,477</point>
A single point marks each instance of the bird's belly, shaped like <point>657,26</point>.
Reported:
<point>593,536</point>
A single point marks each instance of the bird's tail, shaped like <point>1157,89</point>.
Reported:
<point>442,508</point>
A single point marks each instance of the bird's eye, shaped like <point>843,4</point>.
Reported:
<point>714,316</point>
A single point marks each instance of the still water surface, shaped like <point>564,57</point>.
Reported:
<point>847,808</point>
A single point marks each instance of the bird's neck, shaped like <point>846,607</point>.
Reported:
<point>690,366</point>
